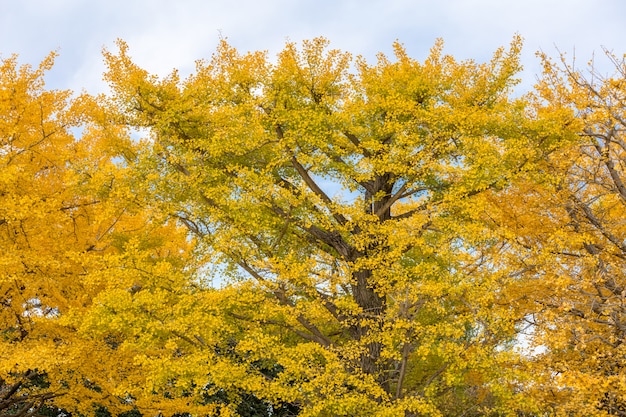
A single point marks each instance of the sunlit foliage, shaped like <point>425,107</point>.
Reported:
<point>64,221</point>
<point>345,200</point>
<point>316,235</point>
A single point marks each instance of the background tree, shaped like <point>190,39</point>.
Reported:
<point>569,240</point>
<point>36,147</point>
<point>342,199</point>
<point>62,217</point>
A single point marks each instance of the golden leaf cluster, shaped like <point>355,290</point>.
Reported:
<point>314,235</point>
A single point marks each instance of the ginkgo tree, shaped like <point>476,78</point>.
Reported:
<point>63,218</point>
<point>36,146</point>
<point>345,202</point>
<point>314,235</point>
<point>569,242</point>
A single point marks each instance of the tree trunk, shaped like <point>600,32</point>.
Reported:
<point>373,304</point>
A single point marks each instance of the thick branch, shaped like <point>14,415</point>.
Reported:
<point>609,163</point>
<point>310,182</point>
<point>598,225</point>
<point>304,335</point>
<point>331,307</point>
<point>403,367</point>
<point>332,238</point>
<point>395,197</point>
<point>316,334</point>
<point>356,142</point>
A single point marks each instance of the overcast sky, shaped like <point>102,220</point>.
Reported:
<point>163,35</point>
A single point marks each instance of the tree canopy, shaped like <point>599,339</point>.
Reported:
<point>314,235</point>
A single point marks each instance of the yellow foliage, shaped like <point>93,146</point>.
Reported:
<point>568,239</point>
<point>316,235</point>
<point>345,202</point>
<point>64,216</point>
